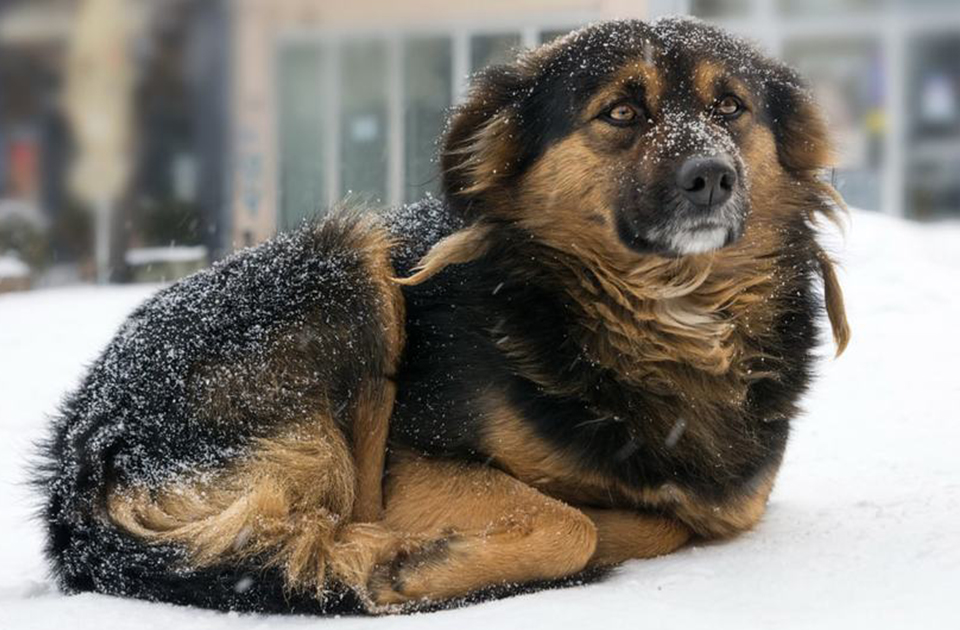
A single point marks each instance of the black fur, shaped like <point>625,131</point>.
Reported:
<point>452,360</point>
<point>134,419</point>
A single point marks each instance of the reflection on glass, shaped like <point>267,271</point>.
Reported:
<point>847,79</point>
<point>428,84</point>
<point>933,102</point>
<point>301,133</point>
<point>934,86</point>
<point>487,50</point>
<point>719,8</point>
<point>829,7</point>
<point>363,120</point>
<point>550,35</point>
<point>927,4</point>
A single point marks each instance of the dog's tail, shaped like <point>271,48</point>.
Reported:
<point>87,552</point>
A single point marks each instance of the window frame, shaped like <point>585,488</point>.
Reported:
<point>331,40</point>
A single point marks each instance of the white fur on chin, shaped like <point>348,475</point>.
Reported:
<point>698,241</point>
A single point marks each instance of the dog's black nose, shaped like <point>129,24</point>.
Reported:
<point>707,181</point>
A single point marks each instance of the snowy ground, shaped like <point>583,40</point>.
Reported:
<point>863,529</point>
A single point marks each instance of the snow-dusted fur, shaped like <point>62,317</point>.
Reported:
<point>575,373</point>
<point>146,413</point>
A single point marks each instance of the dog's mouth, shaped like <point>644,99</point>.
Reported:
<point>688,231</point>
<point>687,237</point>
<point>700,239</point>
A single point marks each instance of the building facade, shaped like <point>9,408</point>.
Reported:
<point>349,99</point>
<point>252,115</point>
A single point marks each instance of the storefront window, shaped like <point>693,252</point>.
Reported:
<point>822,8</point>
<point>720,9</point>
<point>933,102</point>
<point>301,109</point>
<point>428,85</point>
<point>552,34</point>
<point>486,50</point>
<point>363,117</point>
<point>847,79</point>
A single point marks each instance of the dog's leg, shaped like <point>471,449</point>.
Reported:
<point>487,528</point>
<point>374,404</point>
<point>370,429</point>
<point>624,535</point>
<point>287,506</point>
<point>283,505</point>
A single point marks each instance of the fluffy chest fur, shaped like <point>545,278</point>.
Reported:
<point>605,385</point>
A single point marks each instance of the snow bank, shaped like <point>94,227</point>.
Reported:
<point>172,254</point>
<point>862,529</point>
<point>13,267</point>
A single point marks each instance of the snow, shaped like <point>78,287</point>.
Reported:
<point>862,529</point>
<point>172,254</point>
<point>13,267</point>
<point>21,209</point>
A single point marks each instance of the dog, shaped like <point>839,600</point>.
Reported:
<point>589,350</point>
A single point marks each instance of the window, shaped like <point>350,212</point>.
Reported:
<point>828,7</point>
<point>934,88</point>
<point>428,85</point>
<point>552,34</point>
<point>363,115</point>
<point>487,50</point>
<point>720,9</point>
<point>846,78</point>
<point>301,114</point>
<point>933,126</point>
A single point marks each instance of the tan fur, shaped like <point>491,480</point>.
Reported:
<point>291,495</point>
<point>370,430</point>
<point>649,311</point>
<point>623,85</point>
<point>836,311</point>
<point>725,518</point>
<point>458,248</point>
<point>626,535</point>
<point>646,316</point>
<point>706,77</point>
<point>805,146</point>
<point>287,500</point>
<point>519,451</point>
<point>695,325</point>
<point>486,154</point>
<point>371,417</point>
<point>490,529</point>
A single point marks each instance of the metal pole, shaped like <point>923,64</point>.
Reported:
<point>102,239</point>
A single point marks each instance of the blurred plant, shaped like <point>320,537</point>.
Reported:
<point>71,233</point>
<point>170,222</point>
<point>26,240</point>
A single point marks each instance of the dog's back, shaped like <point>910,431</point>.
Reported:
<point>206,389</point>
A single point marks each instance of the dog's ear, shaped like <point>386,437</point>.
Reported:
<point>481,145</point>
<point>833,301</point>
<point>803,141</point>
<point>804,149</point>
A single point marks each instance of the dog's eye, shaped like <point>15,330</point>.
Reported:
<point>621,114</point>
<point>729,106</point>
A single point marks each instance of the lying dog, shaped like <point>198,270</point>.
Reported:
<point>597,359</point>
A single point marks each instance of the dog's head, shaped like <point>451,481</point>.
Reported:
<point>633,138</point>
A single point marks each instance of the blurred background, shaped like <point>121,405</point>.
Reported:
<point>143,139</point>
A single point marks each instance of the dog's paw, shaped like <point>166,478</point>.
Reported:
<point>403,582</point>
